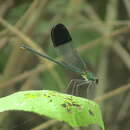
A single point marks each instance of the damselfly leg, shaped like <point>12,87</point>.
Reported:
<point>74,85</point>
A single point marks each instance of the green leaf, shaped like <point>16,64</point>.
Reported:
<point>73,110</point>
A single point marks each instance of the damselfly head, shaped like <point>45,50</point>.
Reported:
<point>89,76</point>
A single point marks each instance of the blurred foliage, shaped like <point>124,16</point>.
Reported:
<point>100,31</point>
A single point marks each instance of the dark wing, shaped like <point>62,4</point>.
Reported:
<point>62,42</point>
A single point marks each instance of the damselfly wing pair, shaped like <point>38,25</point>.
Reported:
<point>70,59</point>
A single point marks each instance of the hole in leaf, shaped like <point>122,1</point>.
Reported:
<point>90,112</point>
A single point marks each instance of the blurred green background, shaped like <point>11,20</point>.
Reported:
<point>100,31</point>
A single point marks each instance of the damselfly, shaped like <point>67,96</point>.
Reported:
<point>62,41</point>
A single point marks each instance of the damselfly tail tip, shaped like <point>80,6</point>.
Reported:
<point>25,47</point>
<point>22,47</point>
<point>60,35</point>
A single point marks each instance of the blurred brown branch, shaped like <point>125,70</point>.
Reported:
<point>113,93</point>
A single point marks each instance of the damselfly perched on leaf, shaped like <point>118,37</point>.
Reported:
<point>62,41</point>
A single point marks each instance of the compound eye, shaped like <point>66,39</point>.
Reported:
<point>96,80</point>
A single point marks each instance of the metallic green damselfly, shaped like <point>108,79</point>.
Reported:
<point>62,41</point>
